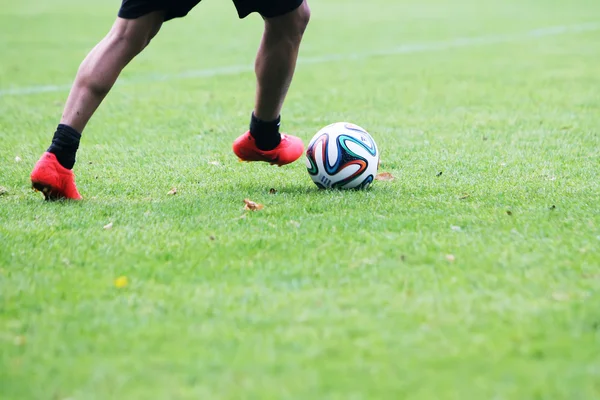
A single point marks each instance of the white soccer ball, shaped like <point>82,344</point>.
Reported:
<point>342,156</point>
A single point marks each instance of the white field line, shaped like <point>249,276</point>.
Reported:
<point>402,49</point>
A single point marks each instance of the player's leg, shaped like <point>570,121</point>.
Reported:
<point>275,65</point>
<point>101,68</point>
<point>97,74</point>
<point>276,60</point>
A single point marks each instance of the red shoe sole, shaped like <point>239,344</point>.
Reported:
<point>48,191</point>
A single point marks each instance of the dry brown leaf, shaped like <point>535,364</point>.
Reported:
<point>272,191</point>
<point>252,206</point>
<point>384,176</point>
<point>108,226</point>
<point>172,191</point>
<point>450,257</point>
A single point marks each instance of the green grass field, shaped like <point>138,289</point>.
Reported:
<point>473,275</point>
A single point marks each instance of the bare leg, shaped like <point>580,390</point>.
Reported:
<point>276,60</point>
<point>101,68</point>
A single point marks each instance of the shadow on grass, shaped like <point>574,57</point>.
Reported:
<point>227,195</point>
<point>313,190</point>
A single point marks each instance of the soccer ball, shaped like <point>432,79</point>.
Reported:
<point>342,156</point>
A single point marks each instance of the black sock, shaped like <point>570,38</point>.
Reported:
<point>64,145</point>
<point>265,133</point>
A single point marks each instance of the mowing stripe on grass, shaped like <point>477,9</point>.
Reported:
<point>403,49</point>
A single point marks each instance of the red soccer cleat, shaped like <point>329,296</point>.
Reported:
<point>289,150</point>
<point>53,180</point>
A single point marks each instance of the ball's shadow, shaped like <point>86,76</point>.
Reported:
<point>313,190</point>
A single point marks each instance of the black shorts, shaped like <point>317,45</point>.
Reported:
<point>132,9</point>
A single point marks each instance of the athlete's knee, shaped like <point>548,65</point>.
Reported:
<point>291,25</point>
<point>302,17</point>
<point>98,88</point>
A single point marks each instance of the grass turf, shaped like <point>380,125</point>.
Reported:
<point>479,282</point>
